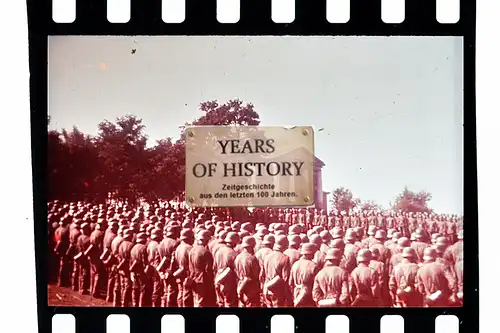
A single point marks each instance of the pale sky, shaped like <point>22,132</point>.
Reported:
<point>391,107</point>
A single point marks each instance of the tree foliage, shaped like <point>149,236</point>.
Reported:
<point>118,161</point>
<point>233,112</point>
<point>370,206</point>
<point>415,202</point>
<point>343,200</point>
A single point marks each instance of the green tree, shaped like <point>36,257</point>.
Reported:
<point>343,200</point>
<point>72,164</point>
<point>370,206</point>
<point>234,112</point>
<point>165,176</point>
<point>122,150</point>
<point>409,201</point>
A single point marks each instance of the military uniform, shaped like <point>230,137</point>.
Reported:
<point>83,264</point>
<point>277,276</point>
<point>61,236</point>
<point>302,278</point>
<point>123,268</point>
<point>114,275</point>
<point>403,281</point>
<point>247,270</point>
<point>331,282</point>
<point>293,254</point>
<point>201,265</point>
<point>74,234</point>
<point>364,282</point>
<point>181,273</point>
<point>166,250</point>
<point>98,274</point>
<point>154,260</point>
<point>434,281</point>
<point>227,290</point>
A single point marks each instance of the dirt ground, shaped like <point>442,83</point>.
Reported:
<point>67,297</point>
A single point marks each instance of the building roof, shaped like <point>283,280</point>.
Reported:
<point>319,162</point>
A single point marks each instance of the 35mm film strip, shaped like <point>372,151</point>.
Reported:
<point>254,166</point>
<point>228,11</point>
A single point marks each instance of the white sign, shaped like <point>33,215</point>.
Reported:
<point>229,166</point>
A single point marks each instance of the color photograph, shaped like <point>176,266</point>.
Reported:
<point>334,177</point>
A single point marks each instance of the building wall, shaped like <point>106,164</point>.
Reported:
<point>325,202</point>
<point>318,187</point>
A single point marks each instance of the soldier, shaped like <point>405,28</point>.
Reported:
<point>385,254</point>
<point>337,233</point>
<point>247,270</point>
<point>419,245</point>
<point>412,222</point>
<point>317,219</point>
<point>457,250</point>
<point>294,217</point>
<point>452,232</point>
<point>367,242</point>
<point>97,269</point>
<point>301,217</point>
<point>319,256</point>
<point>433,281</point>
<point>443,255</point>
<point>402,283</point>
<point>380,267</point>
<point>363,223</point>
<point>166,251</point>
<point>396,257</point>
<point>114,276</point>
<point>259,237</point>
<point>309,219</point>
<point>266,248</point>
<point>123,269</point>
<point>74,234</point>
<point>323,218</point>
<point>201,269</point>
<point>154,260</point>
<point>181,269</point>
<point>302,277</point>
<point>358,232</point>
<point>288,217</point>
<point>339,222</point>
<point>220,242</point>
<point>294,230</point>
<point>350,251</point>
<point>435,236</point>
<point>331,286</point>
<point>393,242</point>
<point>325,238</point>
<point>277,268</point>
<point>293,248</point>
<point>391,221</point>
<point>81,259</point>
<point>355,221</point>
<point>61,235</point>
<point>381,223</point>
<point>140,272</point>
<point>459,270</point>
<point>364,287</point>
<point>225,276</point>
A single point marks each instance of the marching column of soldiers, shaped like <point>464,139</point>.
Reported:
<point>165,255</point>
